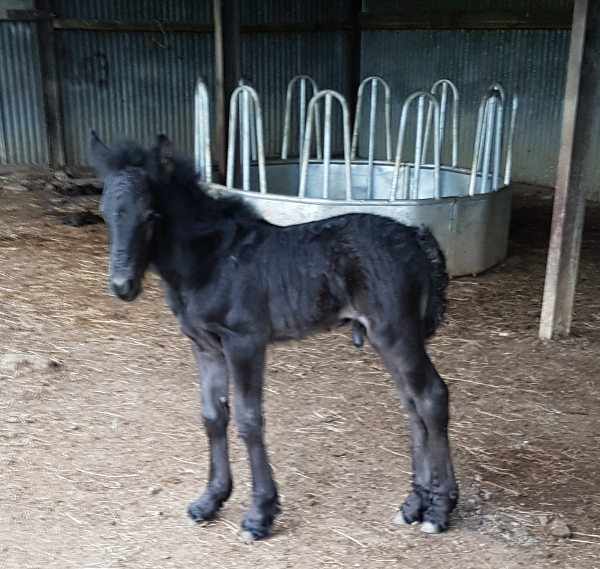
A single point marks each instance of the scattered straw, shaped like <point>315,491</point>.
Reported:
<point>349,537</point>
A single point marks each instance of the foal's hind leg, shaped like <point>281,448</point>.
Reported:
<point>425,397</point>
<point>246,362</point>
<point>214,381</point>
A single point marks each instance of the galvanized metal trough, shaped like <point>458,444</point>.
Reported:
<point>468,210</point>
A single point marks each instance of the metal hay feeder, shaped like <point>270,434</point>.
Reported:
<point>468,210</point>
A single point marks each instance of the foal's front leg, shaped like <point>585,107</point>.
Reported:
<point>246,361</point>
<point>214,386</point>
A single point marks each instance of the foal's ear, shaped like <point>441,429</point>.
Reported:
<point>98,154</point>
<point>162,155</point>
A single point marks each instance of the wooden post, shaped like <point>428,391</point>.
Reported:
<point>227,73</point>
<point>569,203</point>
<point>49,83</point>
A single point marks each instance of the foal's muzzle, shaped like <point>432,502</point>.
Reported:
<point>126,289</point>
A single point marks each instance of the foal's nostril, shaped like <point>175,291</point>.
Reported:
<point>121,286</point>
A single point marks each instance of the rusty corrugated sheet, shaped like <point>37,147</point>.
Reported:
<point>21,111</point>
<point>531,63</point>
<point>130,85</point>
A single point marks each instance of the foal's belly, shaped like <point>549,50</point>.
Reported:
<point>283,335</point>
<point>296,326</point>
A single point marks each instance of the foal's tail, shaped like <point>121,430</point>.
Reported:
<point>436,301</point>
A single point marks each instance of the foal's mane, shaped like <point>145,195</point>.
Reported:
<point>181,177</point>
<point>126,154</point>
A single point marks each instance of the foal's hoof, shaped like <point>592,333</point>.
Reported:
<point>430,527</point>
<point>254,529</point>
<point>203,510</point>
<point>411,510</point>
<point>400,519</point>
<point>247,536</point>
<point>258,521</point>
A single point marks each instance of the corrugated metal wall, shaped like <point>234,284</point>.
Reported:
<point>530,63</point>
<point>21,115</point>
<point>130,85</point>
<point>270,60</point>
<point>137,84</point>
<point>317,54</point>
<point>134,84</point>
<point>292,11</point>
<point>189,11</point>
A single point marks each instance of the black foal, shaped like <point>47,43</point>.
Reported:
<point>237,283</point>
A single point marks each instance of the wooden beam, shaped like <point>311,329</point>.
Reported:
<point>49,84</point>
<point>176,27</point>
<point>458,20</point>
<point>105,26</point>
<point>552,19</point>
<point>28,15</point>
<point>227,73</point>
<point>583,78</point>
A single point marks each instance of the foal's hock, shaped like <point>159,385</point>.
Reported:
<point>237,283</point>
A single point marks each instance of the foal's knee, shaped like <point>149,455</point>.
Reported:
<point>249,425</point>
<point>215,416</point>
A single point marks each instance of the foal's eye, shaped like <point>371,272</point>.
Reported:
<point>151,216</point>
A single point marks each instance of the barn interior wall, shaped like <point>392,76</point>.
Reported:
<point>528,63</point>
<point>130,85</point>
<point>317,54</point>
<point>135,84</point>
<point>188,11</point>
<point>22,132</point>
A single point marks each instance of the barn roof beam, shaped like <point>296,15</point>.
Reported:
<point>549,19</point>
<point>467,20</point>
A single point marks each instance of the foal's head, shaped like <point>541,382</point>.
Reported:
<point>128,207</point>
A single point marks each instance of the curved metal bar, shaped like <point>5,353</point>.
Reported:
<point>329,95</point>
<point>444,83</point>
<point>414,187</point>
<point>477,144</point>
<point>374,80</point>
<point>202,154</point>
<point>490,121</point>
<point>498,87</point>
<point>491,113</point>
<point>248,93</point>
<point>511,135</point>
<point>498,144</point>
<point>304,79</point>
<point>3,153</point>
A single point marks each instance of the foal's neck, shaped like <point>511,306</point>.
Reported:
<point>184,238</point>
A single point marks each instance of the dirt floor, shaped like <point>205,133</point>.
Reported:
<point>102,448</point>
